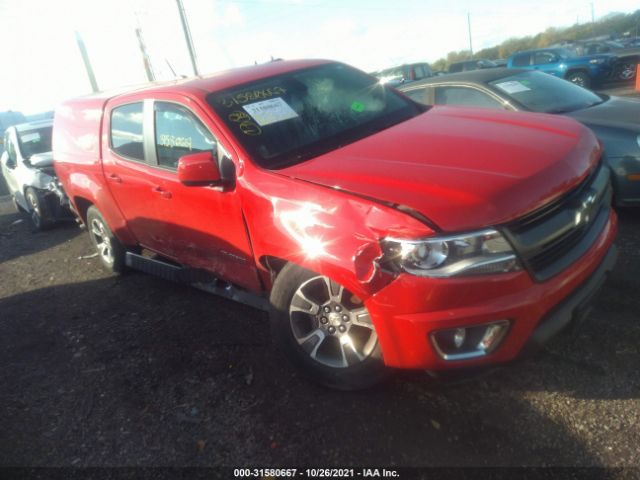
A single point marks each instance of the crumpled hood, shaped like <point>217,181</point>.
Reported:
<point>462,168</point>
<point>41,160</point>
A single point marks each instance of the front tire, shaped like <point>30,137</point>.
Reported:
<point>39,209</point>
<point>579,78</point>
<point>110,251</point>
<point>325,330</point>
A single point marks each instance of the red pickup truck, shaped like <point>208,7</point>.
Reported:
<point>377,232</point>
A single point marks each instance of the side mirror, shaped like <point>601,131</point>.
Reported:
<point>199,169</point>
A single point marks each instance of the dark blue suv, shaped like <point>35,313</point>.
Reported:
<point>585,71</point>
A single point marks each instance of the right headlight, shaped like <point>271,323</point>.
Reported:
<point>483,252</point>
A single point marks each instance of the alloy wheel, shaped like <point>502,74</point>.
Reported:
<point>331,324</point>
<point>102,241</point>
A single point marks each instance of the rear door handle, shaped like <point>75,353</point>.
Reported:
<point>163,193</point>
<point>114,178</point>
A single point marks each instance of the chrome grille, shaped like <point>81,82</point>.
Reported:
<point>553,237</point>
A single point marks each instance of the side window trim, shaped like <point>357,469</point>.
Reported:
<point>149,133</point>
<point>152,120</point>
<point>112,148</point>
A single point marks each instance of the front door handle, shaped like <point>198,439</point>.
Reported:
<point>163,193</point>
<point>114,178</point>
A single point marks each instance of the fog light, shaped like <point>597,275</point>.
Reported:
<point>465,343</point>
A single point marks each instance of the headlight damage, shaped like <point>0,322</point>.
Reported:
<point>483,252</point>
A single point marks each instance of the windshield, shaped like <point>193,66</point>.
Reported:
<point>540,92</point>
<point>291,117</point>
<point>37,140</point>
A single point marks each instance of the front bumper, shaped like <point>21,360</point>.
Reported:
<point>410,308</point>
<point>573,308</point>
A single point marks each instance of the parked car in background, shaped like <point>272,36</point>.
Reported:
<point>615,120</point>
<point>628,57</point>
<point>468,65</point>
<point>404,74</point>
<point>9,118</point>
<point>383,233</point>
<point>27,166</point>
<point>631,42</point>
<point>585,71</point>
<point>35,117</point>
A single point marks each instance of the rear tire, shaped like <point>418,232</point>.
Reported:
<point>325,330</point>
<point>625,71</point>
<point>110,251</point>
<point>579,78</point>
<point>39,209</point>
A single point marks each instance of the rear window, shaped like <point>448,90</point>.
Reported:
<point>291,117</point>
<point>540,92</point>
<point>126,131</point>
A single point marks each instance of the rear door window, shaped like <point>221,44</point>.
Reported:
<point>418,94</point>
<point>465,96</point>
<point>179,132</point>
<point>126,131</point>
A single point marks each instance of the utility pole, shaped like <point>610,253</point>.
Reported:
<point>145,56</point>
<point>593,17</point>
<point>469,25</point>
<point>87,63</point>
<point>187,36</point>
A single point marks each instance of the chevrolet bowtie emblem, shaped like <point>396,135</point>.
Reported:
<point>584,211</point>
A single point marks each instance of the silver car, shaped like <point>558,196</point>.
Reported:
<point>27,166</point>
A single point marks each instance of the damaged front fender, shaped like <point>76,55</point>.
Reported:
<point>324,230</point>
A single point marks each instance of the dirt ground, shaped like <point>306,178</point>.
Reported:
<point>101,370</point>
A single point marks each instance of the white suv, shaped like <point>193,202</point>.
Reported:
<point>27,166</point>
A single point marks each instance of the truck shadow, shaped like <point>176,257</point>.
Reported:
<point>133,370</point>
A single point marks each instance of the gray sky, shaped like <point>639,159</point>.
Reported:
<point>43,65</point>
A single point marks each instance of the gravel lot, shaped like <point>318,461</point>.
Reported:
<point>100,370</point>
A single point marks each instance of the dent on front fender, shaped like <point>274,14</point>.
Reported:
<point>322,229</point>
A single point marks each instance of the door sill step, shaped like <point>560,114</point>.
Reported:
<point>200,279</point>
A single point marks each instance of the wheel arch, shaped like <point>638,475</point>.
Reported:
<point>580,69</point>
<point>82,206</point>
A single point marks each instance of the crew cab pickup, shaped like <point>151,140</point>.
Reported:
<point>377,232</point>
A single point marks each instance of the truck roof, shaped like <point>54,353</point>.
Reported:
<point>203,83</point>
